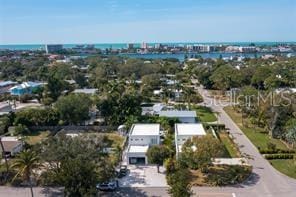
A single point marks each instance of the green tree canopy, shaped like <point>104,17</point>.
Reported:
<point>74,108</point>
<point>157,154</point>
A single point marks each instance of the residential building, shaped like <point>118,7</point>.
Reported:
<point>141,137</point>
<point>86,91</point>
<point>52,48</point>
<point>151,108</point>
<point>25,88</point>
<point>183,132</point>
<point>201,48</point>
<point>247,49</point>
<point>182,116</point>
<point>6,85</point>
<point>11,145</point>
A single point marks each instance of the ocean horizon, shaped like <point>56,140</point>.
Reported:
<point>124,45</point>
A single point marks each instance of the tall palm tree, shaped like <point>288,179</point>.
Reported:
<point>25,163</point>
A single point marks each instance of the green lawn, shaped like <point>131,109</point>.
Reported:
<point>257,136</point>
<point>205,114</point>
<point>287,167</point>
<point>231,149</point>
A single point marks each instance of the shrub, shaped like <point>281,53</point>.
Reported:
<point>21,129</point>
<point>279,156</point>
<point>227,175</point>
<point>277,151</point>
<point>271,146</point>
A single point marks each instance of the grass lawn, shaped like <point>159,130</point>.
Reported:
<point>285,166</point>
<point>36,137</point>
<point>231,149</point>
<point>205,114</point>
<point>256,135</point>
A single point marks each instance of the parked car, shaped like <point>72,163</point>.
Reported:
<point>107,186</point>
<point>122,171</point>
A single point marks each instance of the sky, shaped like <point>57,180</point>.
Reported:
<point>123,21</point>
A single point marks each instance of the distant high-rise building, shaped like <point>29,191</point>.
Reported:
<point>130,45</point>
<point>157,46</point>
<point>202,48</point>
<point>52,48</point>
<point>144,45</point>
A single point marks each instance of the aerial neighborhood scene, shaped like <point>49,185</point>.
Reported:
<point>148,98</point>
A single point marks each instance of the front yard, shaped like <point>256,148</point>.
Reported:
<point>287,166</point>
<point>231,150</point>
<point>221,175</point>
<point>205,114</point>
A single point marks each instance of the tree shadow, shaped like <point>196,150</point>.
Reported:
<point>252,180</point>
<point>52,192</point>
<point>124,192</point>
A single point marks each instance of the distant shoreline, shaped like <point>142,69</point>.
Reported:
<point>124,45</point>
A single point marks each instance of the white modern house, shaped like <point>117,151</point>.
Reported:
<point>183,132</point>
<point>183,116</point>
<point>141,137</point>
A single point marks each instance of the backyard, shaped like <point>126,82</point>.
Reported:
<point>36,137</point>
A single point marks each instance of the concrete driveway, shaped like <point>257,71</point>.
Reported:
<point>144,176</point>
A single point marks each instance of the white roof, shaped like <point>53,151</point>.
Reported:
<point>138,149</point>
<point>190,129</point>
<point>85,91</point>
<point>145,129</point>
<point>175,113</point>
<point>5,139</point>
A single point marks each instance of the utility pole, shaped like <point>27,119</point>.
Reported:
<point>5,158</point>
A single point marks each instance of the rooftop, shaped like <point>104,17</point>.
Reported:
<point>85,91</point>
<point>175,113</point>
<point>190,129</point>
<point>7,83</point>
<point>10,139</point>
<point>138,149</point>
<point>145,129</point>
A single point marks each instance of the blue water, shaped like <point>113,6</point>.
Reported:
<point>124,45</point>
<point>181,56</point>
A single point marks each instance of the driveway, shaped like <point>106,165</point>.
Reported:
<point>144,176</point>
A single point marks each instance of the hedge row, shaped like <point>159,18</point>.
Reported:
<point>279,156</point>
<point>277,151</point>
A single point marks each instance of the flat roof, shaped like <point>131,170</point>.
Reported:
<point>190,129</point>
<point>145,129</point>
<point>85,91</point>
<point>175,113</point>
<point>138,149</point>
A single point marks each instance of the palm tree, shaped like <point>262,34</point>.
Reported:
<point>25,163</point>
